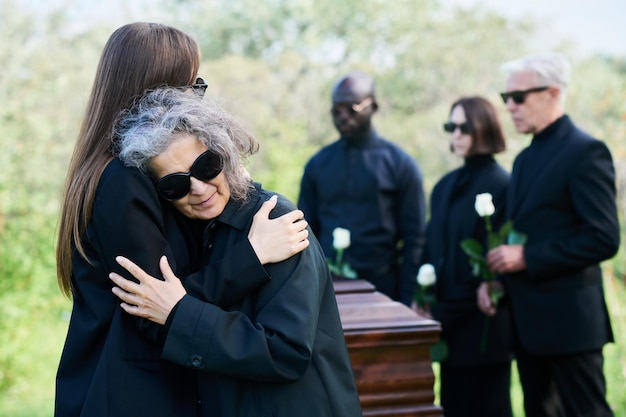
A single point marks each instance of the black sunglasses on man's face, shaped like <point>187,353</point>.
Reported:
<point>519,96</point>
<point>352,109</point>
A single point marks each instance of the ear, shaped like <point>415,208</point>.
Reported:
<point>555,92</point>
<point>374,106</point>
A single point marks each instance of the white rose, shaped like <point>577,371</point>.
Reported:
<point>426,275</point>
<point>484,205</point>
<point>341,238</point>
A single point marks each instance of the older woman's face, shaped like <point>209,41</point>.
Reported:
<point>206,199</point>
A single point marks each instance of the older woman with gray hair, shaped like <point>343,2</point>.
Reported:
<point>280,351</point>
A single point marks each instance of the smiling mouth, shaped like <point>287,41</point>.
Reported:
<point>204,202</point>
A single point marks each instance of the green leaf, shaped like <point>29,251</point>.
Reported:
<point>516,238</point>
<point>505,229</point>
<point>496,293</point>
<point>347,272</point>
<point>476,267</point>
<point>488,274</point>
<point>493,240</point>
<point>498,238</point>
<point>439,351</point>
<point>425,296</point>
<point>473,248</point>
<point>334,269</point>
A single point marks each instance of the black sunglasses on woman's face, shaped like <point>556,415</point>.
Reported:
<point>450,127</point>
<point>199,86</point>
<point>177,185</point>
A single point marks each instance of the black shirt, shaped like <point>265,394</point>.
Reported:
<point>373,189</point>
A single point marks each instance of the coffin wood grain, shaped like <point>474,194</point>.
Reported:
<point>389,346</point>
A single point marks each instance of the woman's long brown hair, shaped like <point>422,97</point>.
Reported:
<point>137,56</point>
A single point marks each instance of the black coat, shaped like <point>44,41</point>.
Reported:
<point>111,363</point>
<point>562,195</point>
<point>279,352</point>
<point>453,218</point>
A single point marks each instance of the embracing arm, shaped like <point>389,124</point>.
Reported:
<point>274,240</point>
<point>276,345</point>
<point>240,271</point>
<point>152,298</point>
<point>128,220</point>
<point>271,240</point>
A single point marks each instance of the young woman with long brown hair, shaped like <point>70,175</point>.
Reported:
<point>111,363</point>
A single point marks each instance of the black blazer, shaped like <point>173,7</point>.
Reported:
<point>453,218</point>
<point>111,363</point>
<point>562,195</point>
<point>280,351</point>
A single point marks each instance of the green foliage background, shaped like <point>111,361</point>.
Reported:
<point>274,62</point>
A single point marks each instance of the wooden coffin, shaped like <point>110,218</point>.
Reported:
<point>389,347</point>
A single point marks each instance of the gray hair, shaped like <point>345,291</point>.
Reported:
<point>551,69</point>
<point>158,118</point>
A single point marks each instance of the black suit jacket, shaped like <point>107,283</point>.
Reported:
<point>453,218</point>
<point>562,195</point>
<point>111,363</point>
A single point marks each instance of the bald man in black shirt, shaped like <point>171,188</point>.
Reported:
<point>368,185</point>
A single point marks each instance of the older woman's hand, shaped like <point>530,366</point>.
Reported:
<point>275,240</point>
<point>151,298</point>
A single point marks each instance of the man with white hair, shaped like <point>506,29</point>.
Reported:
<point>562,196</point>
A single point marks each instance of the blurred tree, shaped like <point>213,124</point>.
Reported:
<point>421,57</point>
<point>274,63</point>
<point>42,99</point>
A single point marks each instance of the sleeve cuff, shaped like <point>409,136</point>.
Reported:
<point>190,333</point>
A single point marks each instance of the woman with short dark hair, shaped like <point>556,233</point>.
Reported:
<point>475,374</point>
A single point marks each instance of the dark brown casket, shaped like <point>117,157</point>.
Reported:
<point>389,346</point>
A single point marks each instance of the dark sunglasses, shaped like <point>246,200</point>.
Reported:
<point>177,185</point>
<point>199,86</point>
<point>351,109</point>
<point>450,127</point>
<point>519,96</point>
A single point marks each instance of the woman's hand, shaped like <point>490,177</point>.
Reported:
<point>483,298</point>
<point>275,240</point>
<point>151,298</point>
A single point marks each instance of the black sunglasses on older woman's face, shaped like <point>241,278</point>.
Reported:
<point>177,185</point>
